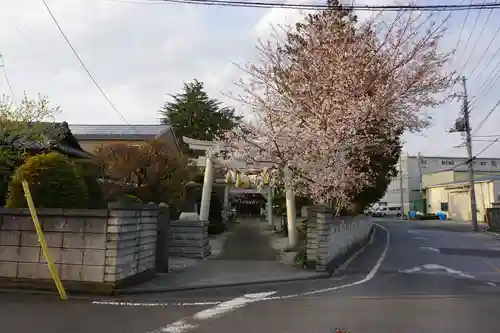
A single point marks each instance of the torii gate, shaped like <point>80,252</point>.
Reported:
<point>208,162</point>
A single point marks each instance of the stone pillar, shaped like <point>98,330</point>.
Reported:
<point>324,223</point>
<point>290,212</point>
<point>225,208</point>
<point>163,240</point>
<point>311,236</point>
<point>207,189</point>
<point>270,206</point>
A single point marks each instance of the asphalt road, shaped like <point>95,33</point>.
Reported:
<point>414,277</point>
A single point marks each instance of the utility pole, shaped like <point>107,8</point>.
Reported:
<point>402,212</point>
<point>421,194</point>
<point>470,161</point>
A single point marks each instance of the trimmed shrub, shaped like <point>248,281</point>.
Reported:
<point>54,183</point>
<point>91,172</point>
<point>9,161</point>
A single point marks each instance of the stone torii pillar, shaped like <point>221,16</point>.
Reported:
<point>206,193</point>
<point>209,161</point>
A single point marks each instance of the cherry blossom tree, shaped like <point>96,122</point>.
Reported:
<point>320,86</point>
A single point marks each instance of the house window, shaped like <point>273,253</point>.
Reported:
<point>423,161</point>
<point>447,162</point>
<point>444,206</point>
<point>494,163</point>
<point>484,163</point>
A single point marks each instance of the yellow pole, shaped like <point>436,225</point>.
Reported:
<point>43,243</point>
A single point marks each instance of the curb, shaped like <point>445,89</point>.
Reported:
<point>221,285</point>
<point>54,294</point>
<point>337,266</point>
<point>495,235</point>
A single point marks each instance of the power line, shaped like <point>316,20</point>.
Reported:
<point>462,28</point>
<point>487,116</point>
<point>466,62</point>
<point>487,147</point>
<point>83,65</point>
<point>484,52</point>
<point>2,65</point>
<point>312,6</point>
<point>475,156</point>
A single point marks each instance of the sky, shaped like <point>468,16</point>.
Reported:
<point>139,53</point>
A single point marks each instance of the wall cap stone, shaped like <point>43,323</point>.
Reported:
<point>55,212</point>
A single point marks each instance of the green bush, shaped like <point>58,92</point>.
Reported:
<point>91,172</point>
<point>9,161</point>
<point>54,183</point>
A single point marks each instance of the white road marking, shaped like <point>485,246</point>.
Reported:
<point>427,248</point>
<point>434,267</point>
<point>190,323</point>
<point>420,238</point>
<point>367,278</point>
<point>177,327</point>
<point>411,270</point>
<point>492,284</point>
<point>413,231</point>
<point>154,304</point>
<point>231,305</point>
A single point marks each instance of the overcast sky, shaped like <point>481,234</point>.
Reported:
<point>139,53</point>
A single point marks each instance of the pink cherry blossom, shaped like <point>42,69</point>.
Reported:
<point>316,92</point>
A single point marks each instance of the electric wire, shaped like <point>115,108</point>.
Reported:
<point>462,29</point>
<point>466,62</point>
<point>84,66</point>
<point>314,6</point>
<point>7,80</point>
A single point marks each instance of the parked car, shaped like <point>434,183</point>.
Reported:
<point>394,211</point>
<point>387,211</point>
<point>379,212</point>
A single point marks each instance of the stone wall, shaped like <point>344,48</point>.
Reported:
<point>93,250</point>
<point>330,239</point>
<point>189,238</point>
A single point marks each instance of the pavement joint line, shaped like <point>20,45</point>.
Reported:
<point>154,304</point>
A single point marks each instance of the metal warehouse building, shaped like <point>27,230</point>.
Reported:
<point>453,197</point>
<point>420,173</point>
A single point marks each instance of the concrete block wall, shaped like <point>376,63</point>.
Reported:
<point>189,238</point>
<point>331,237</point>
<point>95,246</point>
<point>131,242</point>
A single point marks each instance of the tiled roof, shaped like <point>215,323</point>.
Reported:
<point>117,130</point>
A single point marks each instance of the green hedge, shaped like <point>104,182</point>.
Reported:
<point>54,182</point>
<point>91,172</point>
